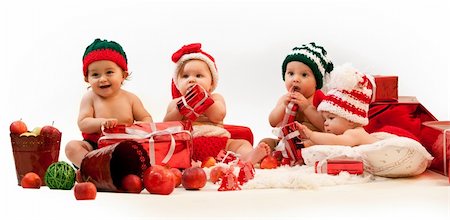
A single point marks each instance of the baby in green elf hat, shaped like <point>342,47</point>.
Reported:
<point>106,104</point>
<point>303,72</point>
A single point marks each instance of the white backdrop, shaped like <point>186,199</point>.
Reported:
<point>42,43</point>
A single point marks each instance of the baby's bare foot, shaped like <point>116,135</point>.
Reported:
<point>258,153</point>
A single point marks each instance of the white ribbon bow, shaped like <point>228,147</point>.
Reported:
<point>283,145</point>
<point>132,133</point>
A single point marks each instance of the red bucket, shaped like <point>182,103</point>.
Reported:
<point>35,154</point>
<point>105,167</point>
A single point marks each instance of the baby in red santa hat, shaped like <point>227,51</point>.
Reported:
<point>194,67</point>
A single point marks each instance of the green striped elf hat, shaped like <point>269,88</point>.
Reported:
<point>314,56</point>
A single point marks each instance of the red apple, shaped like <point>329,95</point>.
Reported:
<point>193,178</point>
<point>18,127</point>
<point>78,177</point>
<point>49,131</point>
<point>209,162</point>
<point>132,183</point>
<point>85,191</point>
<point>31,180</point>
<point>177,176</point>
<point>159,180</point>
<point>269,162</point>
<point>216,174</point>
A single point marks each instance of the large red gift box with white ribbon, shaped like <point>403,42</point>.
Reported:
<point>167,143</point>
<point>436,138</point>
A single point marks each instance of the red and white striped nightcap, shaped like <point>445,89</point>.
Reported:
<point>350,93</point>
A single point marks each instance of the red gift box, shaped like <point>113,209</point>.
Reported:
<point>291,112</point>
<point>290,143</point>
<point>436,139</point>
<point>195,102</point>
<point>166,142</point>
<point>335,166</point>
<point>386,88</point>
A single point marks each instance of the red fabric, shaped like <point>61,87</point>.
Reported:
<point>402,116</point>
<point>318,97</point>
<point>91,137</point>
<point>175,92</point>
<point>240,132</point>
<point>204,147</point>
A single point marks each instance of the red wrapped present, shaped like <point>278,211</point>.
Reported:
<point>290,143</point>
<point>386,88</point>
<point>403,117</point>
<point>195,102</point>
<point>289,115</point>
<point>167,143</point>
<point>435,138</point>
<point>335,166</point>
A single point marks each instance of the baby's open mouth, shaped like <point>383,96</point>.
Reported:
<point>296,89</point>
<point>105,86</point>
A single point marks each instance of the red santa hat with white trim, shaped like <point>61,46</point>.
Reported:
<point>192,52</point>
<point>350,94</point>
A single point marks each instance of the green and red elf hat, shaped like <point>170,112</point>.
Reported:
<point>104,50</point>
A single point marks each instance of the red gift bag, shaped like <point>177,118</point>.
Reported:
<point>167,143</point>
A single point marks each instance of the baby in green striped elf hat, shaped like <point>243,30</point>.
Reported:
<point>303,72</point>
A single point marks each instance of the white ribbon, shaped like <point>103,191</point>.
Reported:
<point>132,133</point>
<point>192,111</point>
<point>283,145</point>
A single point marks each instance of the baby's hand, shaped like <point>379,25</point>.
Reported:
<point>110,123</point>
<point>300,100</point>
<point>305,132</point>
<point>286,99</point>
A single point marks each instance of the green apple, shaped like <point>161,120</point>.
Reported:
<point>28,134</point>
<point>36,130</point>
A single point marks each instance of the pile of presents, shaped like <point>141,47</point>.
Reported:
<point>406,116</point>
<point>171,143</point>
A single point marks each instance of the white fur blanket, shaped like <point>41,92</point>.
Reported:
<point>393,156</point>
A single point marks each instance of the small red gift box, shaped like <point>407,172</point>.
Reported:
<point>166,142</point>
<point>335,166</point>
<point>386,88</point>
<point>195,102</point>
<point>435,138</point>
<point>290,143</point>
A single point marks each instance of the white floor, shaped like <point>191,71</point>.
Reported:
<point>424,197</point>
